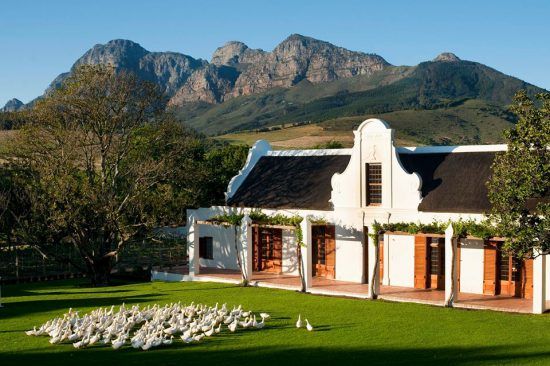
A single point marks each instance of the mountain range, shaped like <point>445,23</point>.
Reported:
<point>304,80</point>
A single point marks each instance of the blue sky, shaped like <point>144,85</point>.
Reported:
<point>40,39</point>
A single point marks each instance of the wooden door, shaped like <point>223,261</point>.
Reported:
<point>324,251</point>
<point>256,251</point>
<point>490,262</point>
<point>436,254</point>
<point>527,289</point>
<point>510,273</point>
<point>267,249</point>
<point>421,260</point>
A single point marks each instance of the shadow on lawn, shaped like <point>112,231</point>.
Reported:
<point>61,287</point>
<point>21,308</point>
<point>197,288</point>
<point>210,353</point>
<point>23,293</point>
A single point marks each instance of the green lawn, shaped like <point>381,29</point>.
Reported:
<point>348,331</point>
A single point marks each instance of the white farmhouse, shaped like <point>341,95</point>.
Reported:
<point>340,194</point>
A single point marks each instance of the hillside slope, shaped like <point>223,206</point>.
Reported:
<point>308,81</point>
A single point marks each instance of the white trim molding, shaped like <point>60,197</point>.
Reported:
<point>450,149</point>
<point>312,152</point>
<point>259,149</point>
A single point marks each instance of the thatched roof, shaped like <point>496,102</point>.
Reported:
<point>452,182</point>
<point>299,182</point>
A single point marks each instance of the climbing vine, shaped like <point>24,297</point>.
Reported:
<point>318,221</point>
<point>261,218</point>
<point>227,219</point>
<point>462,228</point>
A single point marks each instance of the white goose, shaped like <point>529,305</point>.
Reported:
<point>152,326</point>
<point>233,326</point>
<point>299,322</point>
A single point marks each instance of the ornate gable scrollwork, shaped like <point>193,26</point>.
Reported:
<point>259,149</point>
<point>373,143</point>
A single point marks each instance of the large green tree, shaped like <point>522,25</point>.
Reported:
<point>98,165</point>
<point>519,188</point>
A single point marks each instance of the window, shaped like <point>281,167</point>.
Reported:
<point>504,267</point>
<point>510,268</point>
<point>267,244</point>
<point>206,250</point>
<point>434,260</point>
<point>374,184</point>
<point>437,257</point>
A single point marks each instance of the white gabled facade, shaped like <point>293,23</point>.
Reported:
<point>353,217</point>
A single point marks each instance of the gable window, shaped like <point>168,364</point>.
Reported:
<point>374,184</point>
<point>206,250</point>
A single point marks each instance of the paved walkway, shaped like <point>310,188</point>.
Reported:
<point>323,286</point>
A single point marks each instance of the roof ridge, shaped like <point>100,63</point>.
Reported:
<point>450,149</point>
<point>309,152</point>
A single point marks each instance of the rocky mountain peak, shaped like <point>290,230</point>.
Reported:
<point>235,52</point>
<point>446,57</point>
<point>12,105</point>
<point>120,53</point>
<point>229,53</point>
<point>296,42</point>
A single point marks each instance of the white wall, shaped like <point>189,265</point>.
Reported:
<point>349,245</point>
<point>223,243</point>
<point>400,260</point>
<point>349,255</point>
<point>471,266</point>
<point>547,284</point>
<point>290,260</point>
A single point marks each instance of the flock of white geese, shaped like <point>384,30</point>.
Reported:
<point>147,327</point>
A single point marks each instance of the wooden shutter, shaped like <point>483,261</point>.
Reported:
<point>490,263</point>
<point>528,288</point>
<point>277,249</point>
<point>330,251</point>
<point>256,252</point>
<point>421,261</point>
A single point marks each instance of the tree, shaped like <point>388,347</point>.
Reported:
<point>519,189</point>
<point>98,165</point>
<point>222,162</point>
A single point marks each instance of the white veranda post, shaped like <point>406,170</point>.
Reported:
<point>306,252</point>
<point>193,246</point>
<point>539,284</point>
<point>373,268</point>
<point>245,238</point>
<point>451,267</point>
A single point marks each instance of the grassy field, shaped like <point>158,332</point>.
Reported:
<point>300,137</point>
<point>347,331</point>
<point>455,125</point>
